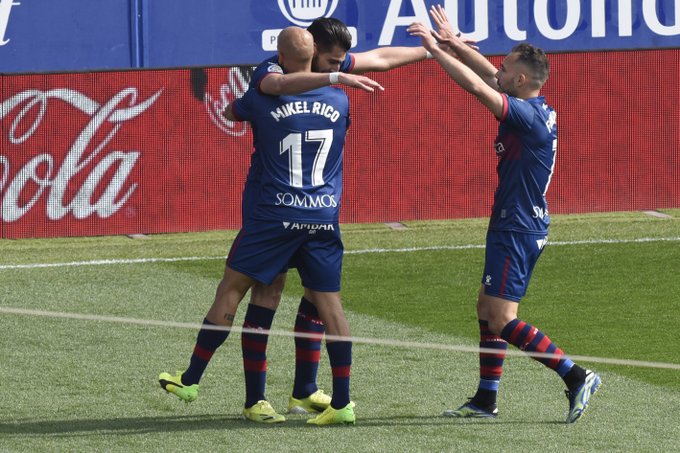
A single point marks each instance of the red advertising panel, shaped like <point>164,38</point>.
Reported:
<point>148,152</point>
<point>118,153</point>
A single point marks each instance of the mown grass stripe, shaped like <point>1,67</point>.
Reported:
<point>363,340</point>
<point>347,252</point>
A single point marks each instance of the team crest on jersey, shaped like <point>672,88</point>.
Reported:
<point>274,67</point>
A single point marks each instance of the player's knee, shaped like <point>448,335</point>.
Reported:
<point>496,325</point>
<point>268,296</point>
<point>496,311</point>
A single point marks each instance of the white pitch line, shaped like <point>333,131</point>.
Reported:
<point>347,252</point>
<point>364,340</point>
<point>109,262</point>
<point>481,246</point>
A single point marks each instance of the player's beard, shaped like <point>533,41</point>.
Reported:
<point>508,91</point>
<point>315,67</point>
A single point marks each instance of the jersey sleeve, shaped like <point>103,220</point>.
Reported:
<point>517,113</point>
<point>242,107</point>
<point>264,69</point>
<point>238,111</point>
<point>348,64</point>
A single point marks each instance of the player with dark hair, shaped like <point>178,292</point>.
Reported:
<point>328,33</point>
<point>332,64</point>
<point>332,41</point>
<point>518,230</point>
<point>299,141</point>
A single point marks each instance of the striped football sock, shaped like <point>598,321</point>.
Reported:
<point>254,348</point>
<point>340,356</point>
<point>307,350</point>
<point>490,366</point>
<point>207,343</point>
<point>528,338</point>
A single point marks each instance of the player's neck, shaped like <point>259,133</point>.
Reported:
<point>529,94</point>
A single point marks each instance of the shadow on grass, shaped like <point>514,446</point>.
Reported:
<point>140,425</point>
<point>122,425</point>
<point>437,420</point>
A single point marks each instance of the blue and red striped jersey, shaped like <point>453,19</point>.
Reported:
<point>299,141</point>
<point>526,146</point>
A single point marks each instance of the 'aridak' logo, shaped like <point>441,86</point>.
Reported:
<point>303,12</point>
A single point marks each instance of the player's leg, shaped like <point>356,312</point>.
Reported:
<point>307,397</point>
<point>581,383</point>
<point>491,357</point>
<point>320,265</point>
<point>266,261</point>
<point>341,409</point>
<point>264,299</point>
<point>483,403</point>
<point>214,332</point>
<point>268,296</point>
<point>254,349</point>
<point>500,305</point>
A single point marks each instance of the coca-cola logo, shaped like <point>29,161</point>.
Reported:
<point>237,84</point>
<point>50,177</point>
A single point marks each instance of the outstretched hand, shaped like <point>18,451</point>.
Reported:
<point>444,34</point>
<point>359,81</point>
<point>426,35</point>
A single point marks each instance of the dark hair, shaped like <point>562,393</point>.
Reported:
<point>535,59</point>
<point>329,32</point>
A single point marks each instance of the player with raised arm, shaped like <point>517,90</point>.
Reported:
<point>332,64</point>
<point>518,230</point>
<point>299,141</point>
<point>332,41</point>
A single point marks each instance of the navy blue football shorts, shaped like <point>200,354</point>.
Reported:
<point>264,249</point>
<point>509,262</point>
<point>251,192</point>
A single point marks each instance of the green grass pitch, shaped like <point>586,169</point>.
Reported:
<point>86,385</point>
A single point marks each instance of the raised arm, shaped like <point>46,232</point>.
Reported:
<point>276,84</point>
<point>459,72</point>
<point>386,58</point>
<point>467,54</point>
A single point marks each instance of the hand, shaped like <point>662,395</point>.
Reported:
<point>445,34</point>
<point>471,43</point>
<point>359,81</point>
<point>228,112</point>
<point>426,35</point>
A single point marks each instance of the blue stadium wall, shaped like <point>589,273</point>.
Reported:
<point>110,110</point>
<point>78,35</point>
